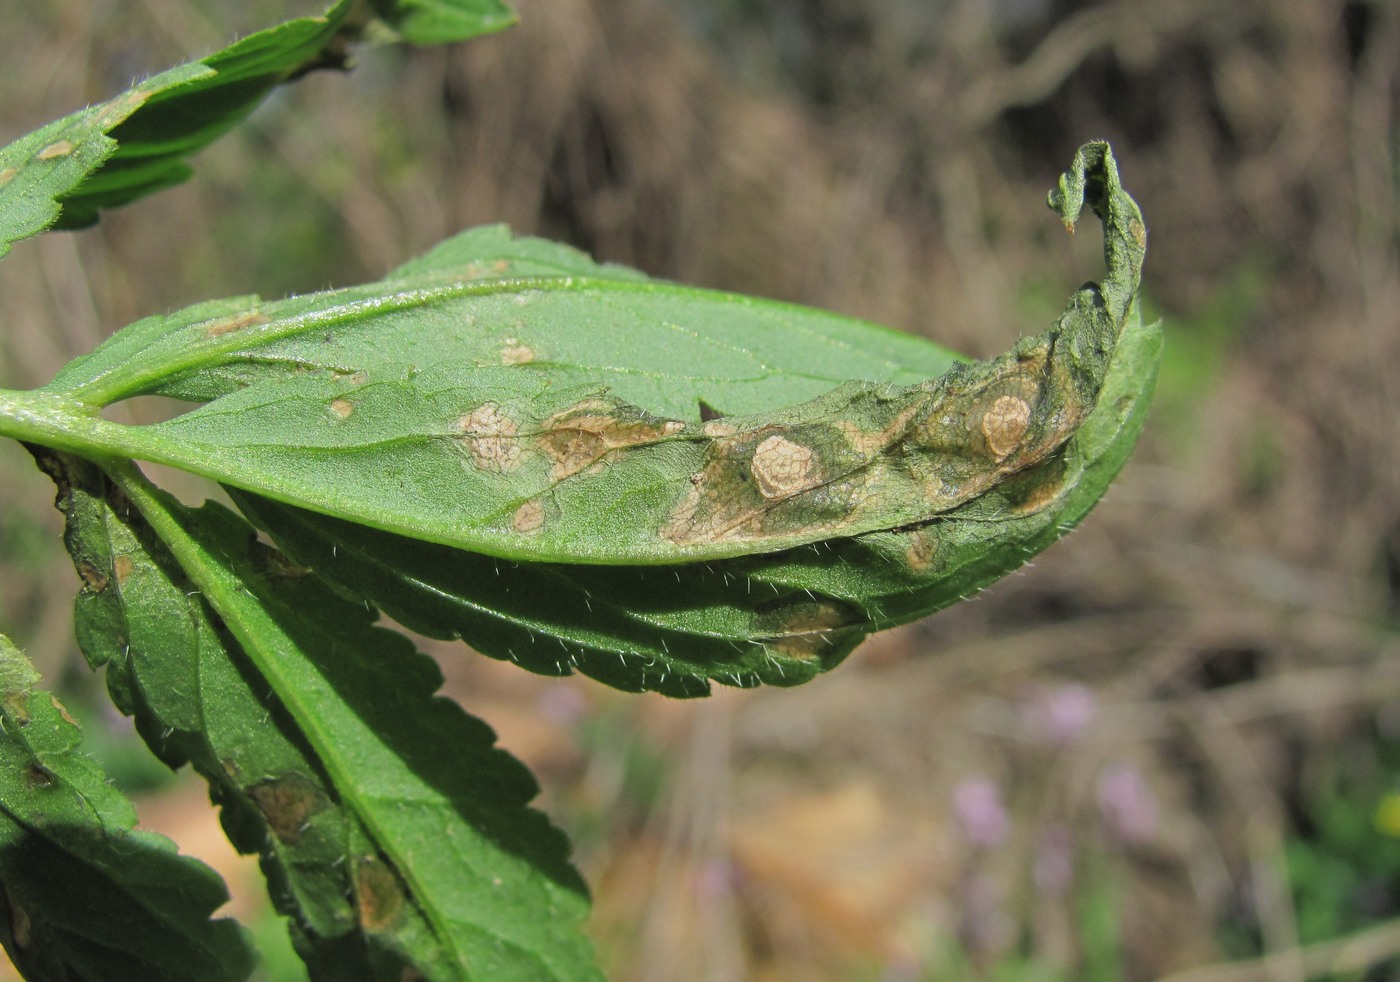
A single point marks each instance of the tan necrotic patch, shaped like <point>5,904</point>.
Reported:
<point>238,323</point>
<point>342,407</point>
<point>765,483</point>
<point>528,518</point>
<point>782,468</point>
<point>583,435</point>
<point>1005,423</point>
<point>1039,487</point>
<point>93,578</point>
<point>287,804</point>
<point>55,150</point>
<point>1139,233</point>
<point>514,352</point>
<point>807,630</point>
<point>379,894</point>
<point>492,439</point>
<point>922,549</point>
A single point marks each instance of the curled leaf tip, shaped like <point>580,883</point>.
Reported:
<point>1092,179</point>
<point>1092,173</point>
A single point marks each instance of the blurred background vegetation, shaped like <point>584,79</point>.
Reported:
<point>1170,748</point>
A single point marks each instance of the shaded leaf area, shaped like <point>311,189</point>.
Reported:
<point>666,629</point>
<point>396,838</point>
<point>518,401</point>
<point>137,143</point>
<point>83,895</point>
<point>777,618</point>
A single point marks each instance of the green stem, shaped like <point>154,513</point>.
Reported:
<point>62,423</point>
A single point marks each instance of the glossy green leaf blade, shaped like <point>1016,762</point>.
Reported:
<point>179,120</point>
<point>322,820</point>
<point>442,21</point>
<point>448,866</point>
<point>296,369</point>
<point>519,313</point>
<point>84,894</point>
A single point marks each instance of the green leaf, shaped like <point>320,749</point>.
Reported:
<point>308,404</point>
<point>82,893</point>
<point>442,21</point>
<point>517,313</point>
<point>560,418</point>
<point>777,618</point>
<point>196,699</point>
<point>37,171</point>
<point>390,855</point>
<point>137,143</point>
<point>957,480</point>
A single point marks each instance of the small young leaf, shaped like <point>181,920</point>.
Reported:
<point>82,893</point>
<point>324,743</point>
<point>137,143</point>
<point>38,170</point>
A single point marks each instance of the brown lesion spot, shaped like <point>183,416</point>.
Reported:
<point>123,566</point>
<point>1005,423</point>
<point>492,439</point>
<point>584,434</point>
<point>220,328</point>
<point>93,578</point>
<point>53,151</point>
<point>1038,487</point>
<point>783,468</point>
<point>921,550</point>
<point>770,481</point>
<point>63,711</point>
<point>380,897</point>
<point>287,804</point>
<point>808,629</point>
<point>342,407</point>
<point>528,518</point>
<point>515,352</point>
<point>7,174</point>
<point>1138,231</point>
